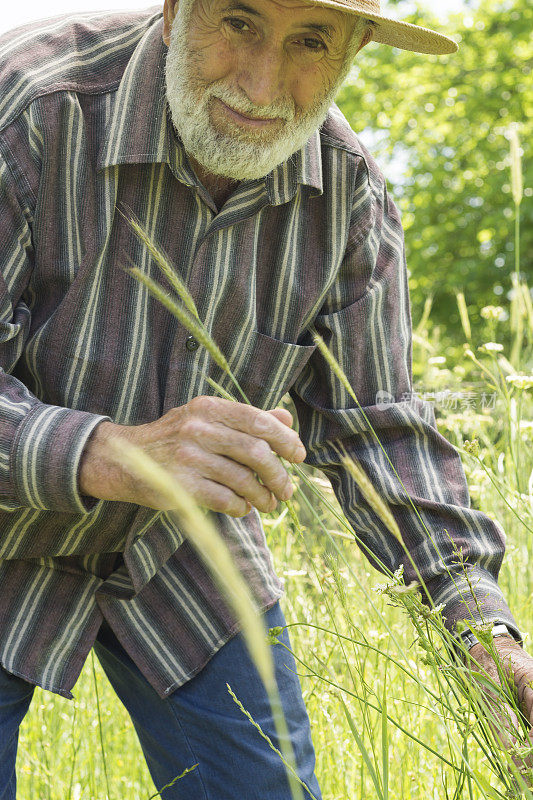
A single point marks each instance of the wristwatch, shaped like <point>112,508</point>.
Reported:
<point>499,629</point>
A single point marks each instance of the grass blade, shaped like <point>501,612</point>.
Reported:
<point>385,737</point>
<point>364,752</point>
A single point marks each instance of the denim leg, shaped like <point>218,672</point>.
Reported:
<point>199,723</point>
<point>15,699</point>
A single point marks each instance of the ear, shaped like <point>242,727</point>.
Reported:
<point>367,36</point>
<point>170,9</point>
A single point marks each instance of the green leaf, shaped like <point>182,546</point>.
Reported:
<point>364,752</point>
<point>385,736</point>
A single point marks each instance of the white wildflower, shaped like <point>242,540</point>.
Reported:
<point>496,313</point>
<point>520,381</point>
<point>491,347</point>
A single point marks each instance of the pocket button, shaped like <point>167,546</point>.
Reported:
<point>191,343</point>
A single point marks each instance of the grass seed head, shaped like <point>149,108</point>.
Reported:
<point>182,315</point>
<point>463,313</point>
<point>163,262</point>
<point>372,497</point>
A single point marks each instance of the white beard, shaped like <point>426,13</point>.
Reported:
<point>233,152</point>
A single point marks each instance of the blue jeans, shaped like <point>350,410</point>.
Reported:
<point>198,724</point>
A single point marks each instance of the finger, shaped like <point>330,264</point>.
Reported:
<point>283,414</point>
<point>525,695</point>
<point>253,453</point>
<point>253,421</point>
<point>506,727</point>
<point>500,716</point>
<point>236,477</point>
<point>219,498</point>
<point>507,733</point>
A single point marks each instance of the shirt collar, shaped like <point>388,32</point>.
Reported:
<point>140,129</point>
<point>303,167</point>
<point>137,129</point>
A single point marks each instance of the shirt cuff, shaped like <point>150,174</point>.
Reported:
<point>477,600</point>
<point>46,456</point>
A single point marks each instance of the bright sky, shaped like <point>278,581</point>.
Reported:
<point>14,14</point>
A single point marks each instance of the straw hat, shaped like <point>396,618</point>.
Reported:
<point>390,31</point>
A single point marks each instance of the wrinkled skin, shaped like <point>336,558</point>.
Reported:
<point>267,62</point>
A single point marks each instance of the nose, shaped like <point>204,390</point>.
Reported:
<point>261,74</point>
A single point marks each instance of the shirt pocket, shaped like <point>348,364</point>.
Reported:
<point>269,368</point>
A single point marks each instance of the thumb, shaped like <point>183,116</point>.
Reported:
<point>283,415</point>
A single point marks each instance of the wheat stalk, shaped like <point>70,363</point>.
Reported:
<point>463,313</point>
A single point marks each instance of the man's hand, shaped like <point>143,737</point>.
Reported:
<point>217,449</point>
<point>517,665</point>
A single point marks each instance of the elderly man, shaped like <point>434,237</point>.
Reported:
<point>230,150</point>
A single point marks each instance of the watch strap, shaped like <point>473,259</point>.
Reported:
<point>499,629</point>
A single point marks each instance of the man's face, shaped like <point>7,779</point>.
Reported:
<point>249,81</point>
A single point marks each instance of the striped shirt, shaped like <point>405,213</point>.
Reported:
<point>84,128</point>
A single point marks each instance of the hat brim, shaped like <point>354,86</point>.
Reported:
<point>404,35</point>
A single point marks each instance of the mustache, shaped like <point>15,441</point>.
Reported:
<point>243,106</point>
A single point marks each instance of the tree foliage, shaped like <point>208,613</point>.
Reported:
<point>437,125</point>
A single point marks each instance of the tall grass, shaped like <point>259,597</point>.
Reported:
<point>395,710</point>
<point>213,550</point>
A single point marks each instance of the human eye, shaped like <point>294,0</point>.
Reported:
<point>237,24</point>
<point>310,46</point>
<point>314,44</point>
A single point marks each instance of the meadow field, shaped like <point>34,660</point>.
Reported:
<point>389,717</point>
<point>392,714</point>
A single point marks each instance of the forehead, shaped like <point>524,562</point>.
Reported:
<point>294,11</point>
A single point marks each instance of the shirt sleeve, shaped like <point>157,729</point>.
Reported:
<point>40,444</point>
<point>366,323</point>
